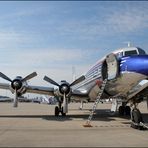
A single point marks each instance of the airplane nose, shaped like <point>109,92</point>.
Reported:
<point>137,64</point>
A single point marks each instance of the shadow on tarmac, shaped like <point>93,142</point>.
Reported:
<point>100,115</point>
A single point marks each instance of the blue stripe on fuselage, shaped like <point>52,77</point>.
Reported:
<point>135,63</point>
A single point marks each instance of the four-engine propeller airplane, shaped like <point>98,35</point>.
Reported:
<point>124,70</point>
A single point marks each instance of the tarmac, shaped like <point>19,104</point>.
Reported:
<point>34,125</point>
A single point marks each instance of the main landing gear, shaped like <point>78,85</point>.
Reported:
<point>124,110</point>
<point>136,116</point>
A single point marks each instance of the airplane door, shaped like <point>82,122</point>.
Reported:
<point>112,66</point>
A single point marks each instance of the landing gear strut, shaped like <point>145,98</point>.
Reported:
<point>81,106</point>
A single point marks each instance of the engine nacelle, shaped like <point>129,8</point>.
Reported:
<point>64,88</point>
<point>110,67</point>
<point>19,85</point>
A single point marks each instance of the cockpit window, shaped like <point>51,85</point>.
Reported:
<point>131,52</point>
<point>141,51</point>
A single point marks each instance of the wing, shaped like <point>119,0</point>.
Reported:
<point>32,89</point>
<point>40,90</point>
<point>140,88</point>
<point>4,86</point>
<point>79,95</point>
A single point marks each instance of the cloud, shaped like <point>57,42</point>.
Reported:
<point>11,39</point>
<point>41,57</point>
<point>125,19</point>
<point>128,21</point>
<point>105,21</point>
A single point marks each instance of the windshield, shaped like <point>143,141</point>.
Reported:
<point>141,51</point>
<point>131,52</point>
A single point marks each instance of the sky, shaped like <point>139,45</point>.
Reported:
<point>51,37</point>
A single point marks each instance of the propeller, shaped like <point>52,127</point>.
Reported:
<point>51,81</point>
<point>30,76</point>
<point>5,77</point>
<point>64,88</point>
<point>80,79</point>
<point>17,83</point>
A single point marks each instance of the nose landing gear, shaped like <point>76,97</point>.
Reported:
<point>137,119</point>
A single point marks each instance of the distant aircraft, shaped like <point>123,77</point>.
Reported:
<point>5,99</point>
<point>48,100</point>
<point>124,70</point>
<point>44,100</point>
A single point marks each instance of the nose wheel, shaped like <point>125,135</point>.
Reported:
<point>59,110</point>
<point>136,118</point>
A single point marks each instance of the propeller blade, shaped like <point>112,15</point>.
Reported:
<point>30,76</point>
<point>80,79</point>
<point>15,99</point>
<point>5,77</point>
<point>51,81</point>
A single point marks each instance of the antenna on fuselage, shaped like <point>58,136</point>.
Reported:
<point>128,43</point>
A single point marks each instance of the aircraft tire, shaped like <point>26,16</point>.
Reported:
<point>127,110</point>
<point>56,111</point>
<point>121,110</point>
<point>136,116</point>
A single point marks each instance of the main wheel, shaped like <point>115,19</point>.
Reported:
<point>127,110</point>
<point>121,110</point>
<point>56,111</point>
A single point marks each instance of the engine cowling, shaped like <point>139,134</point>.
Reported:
<point>110,67</point>
<point>63,88</point>
<point>16,84</point>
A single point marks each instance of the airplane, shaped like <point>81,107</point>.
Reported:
<point>50,100</point>
<point>124,69</point>
<point>5,99</point>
